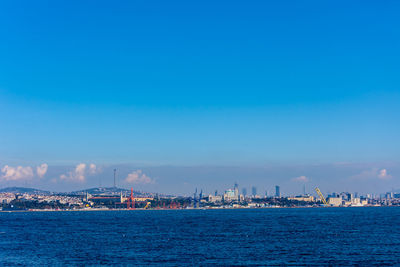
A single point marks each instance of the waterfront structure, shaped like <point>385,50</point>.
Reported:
<point>335,201</point>
<point>96,198</point>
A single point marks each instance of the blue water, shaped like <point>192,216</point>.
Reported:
<point>313,236</point>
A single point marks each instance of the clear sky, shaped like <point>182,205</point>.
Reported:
<point>183,94</point>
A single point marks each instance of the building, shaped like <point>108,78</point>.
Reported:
<point>236,189</point>
<point>143,199</point>
<point>277,191</point>
<point>335,201</point>
<point>233,195</point>
<point>306,198</point>
<point>254,191</point>
<point>229,195</point>
<point>244,191</point>
<point>106,200</point>
<point>214,199</point>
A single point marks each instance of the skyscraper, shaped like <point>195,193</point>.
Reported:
<point>277,191</point>
<point>254,191</point>
<point>195,199</point>
<point>244,191</point>
<point>236,189</point>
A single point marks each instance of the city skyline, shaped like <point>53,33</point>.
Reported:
<point>181,95</point>
<point>200,133</point>
<point>342,177</point>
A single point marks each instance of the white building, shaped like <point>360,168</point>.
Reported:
<point>335,201</point>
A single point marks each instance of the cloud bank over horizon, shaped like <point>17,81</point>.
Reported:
<point>18,173</point>
<point>81,171</point>
<point>138,177</point>
<point>42,169</point>
<point>376,178</point>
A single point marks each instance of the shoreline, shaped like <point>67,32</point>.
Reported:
<point>93,210</point>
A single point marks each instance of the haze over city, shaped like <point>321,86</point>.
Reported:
<point>284,96</point>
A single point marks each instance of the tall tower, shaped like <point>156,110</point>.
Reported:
<point>195,199</point>
<point>236,188</point>
<point>277,191</point>
<point>115,175</point>
<point>254,191</point>
<point>130,203</point>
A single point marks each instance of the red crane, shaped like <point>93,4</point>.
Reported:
<point>130,203</point>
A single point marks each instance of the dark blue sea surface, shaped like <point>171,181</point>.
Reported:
<point>304,236</point>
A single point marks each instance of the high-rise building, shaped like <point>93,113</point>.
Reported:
<point>254,191</point>
<point>195,199</point>
<point>277,191</point>
<point>115,178</point>
<point>244,191</point>
<point>236,189</point>
<point>236,186</point>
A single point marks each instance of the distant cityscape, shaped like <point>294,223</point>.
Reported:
<point>29,199</point>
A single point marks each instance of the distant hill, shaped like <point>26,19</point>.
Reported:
<point>110,191</point>
<point>24,190</point>
<point>92,191</point>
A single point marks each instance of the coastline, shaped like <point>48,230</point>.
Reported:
<point>258,208</point>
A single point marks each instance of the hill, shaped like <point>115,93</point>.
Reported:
<point>110,191</point>
<point>24,190</point>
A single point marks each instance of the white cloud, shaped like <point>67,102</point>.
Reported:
<point>41,170</point>
<point>80,172</point>
<point>371,174</point>
<point>16,173</point>
<point>302,178</point>
<point>76,175</point>
<point>93,168</point>
<point>138,177</point>
<point>383,175</point>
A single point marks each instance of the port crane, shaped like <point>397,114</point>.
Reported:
<point>321,195</point>
<point>130,203</point>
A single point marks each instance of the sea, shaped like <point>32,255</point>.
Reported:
<point>361,236</point>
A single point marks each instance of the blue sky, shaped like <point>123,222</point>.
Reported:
<point>221,84</point>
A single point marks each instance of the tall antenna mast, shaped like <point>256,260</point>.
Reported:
<point>115,173</point>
